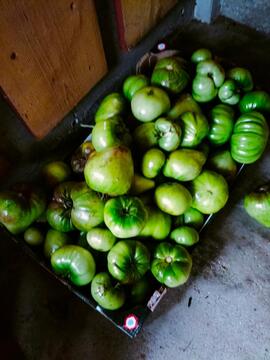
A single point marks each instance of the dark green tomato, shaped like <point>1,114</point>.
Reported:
<point>229,92</point>
<point>209,78</point>
<point>113,104</point>
<point>185,235</point>
<point>79,158</point>
<point>140,291</point>
<point>201,55</point>
<point>184,164</point>
<point>110,132</point>
<point>255,100</point>
<point>100,239</point>
<point>210,192</point>
<point>145,136</point>
<point>242,77</point>
<point>194,129</point>
<point>33,236</point>
<point>108,295</point>
<point>152,162</point>
<point>75,263</point>
<point>171,74</point>
<point>184,104</point>
<point>221,124</point>
<point>172,198</point>
<point>171,264</point>
<point>149,103</point>
<point>169,134</point>
<point>134,83</point>
<point>128,261</point>
<point>191,217</point>
<point>110,171</point>
<point>222,162</point>
<point>20,207</point>
<point>257,205</point>
<point>56,172</point>
<point>249,138</point>
<point>141,184</point>
<point>125,216</point>
<point>158,224</point>
<point>54,240</point>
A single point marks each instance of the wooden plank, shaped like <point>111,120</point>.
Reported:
<point>136,18</point>
<point>51,55</point>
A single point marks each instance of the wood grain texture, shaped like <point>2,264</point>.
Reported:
<point>51,55</point>
<point>140,16</point>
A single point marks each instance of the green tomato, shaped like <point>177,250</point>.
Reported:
<point>80,156</point>
<point>172,198</point>
<point>210,192</point>
<point>112,105</point>
<point>255,100</point>
<point>257,205</point>
<point>110,171</point>
<point>194,129</point>
<point>152,163</point>
<point>201,55</point>
<point>134,83</point>
<point>221,124</point>
<point>191,217</point>
<point>222,162</point>
<point>184,164</point>
<point>149,103</point>
<point>75,263</point>
<point>210,76</point>
<point>125,216</point>
<point>169,134</point>
<point>54,240</point>
<point>171,264</point>
<point>158,224</point>
<point>56,172</point>
<point>33,236</point>
<point>229,92</point>
<point>170,73</point>
<point>128,261</point>
<point>242,77</point>
<point>145,136</point>
<point>184,104</point>
<point>249,138</point>
<point>140,184</point>
<point>185,235</point>
<point>100,239</point>
<point>20,207</point>
<point>110,132</point>
<point>105,293</point>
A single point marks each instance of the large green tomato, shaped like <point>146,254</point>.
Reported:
<point>152,163</point>
<point>110,171</point>
<point>134,83</point>
<point>222,162</point>
<point>100,239</point>
<point>184,104</point>
<point>108,295</point>
<point>75,263</point>
<point>173,198</point>
<point>113,104</point>
<point>255,100</point>
<point>171,264</point>
<point>110,132</point>
<point>184,164</point>
<point>185,235</point>
<point>145,136</point>
<point>149,103</point>
<point>201,54</point>
<point>210,192</point>
<point>125,216</point>
<point>191,217</point>
<point>257,205</point>
<point>20,207</point>
<point>242,77</point>
<point>194,129</point>
<point>128,261</point>
<point>169,134</point>
<point>171,74</point>
<point>56,172</point>
<point>249,138</point>
<point>221,124</point>
<point>158,224</point>
<point>229,92</point>
<point>54,240</point>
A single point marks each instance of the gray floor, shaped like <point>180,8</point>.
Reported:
<point>228,319</point>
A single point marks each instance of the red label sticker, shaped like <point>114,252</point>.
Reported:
<point>131,322</point>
